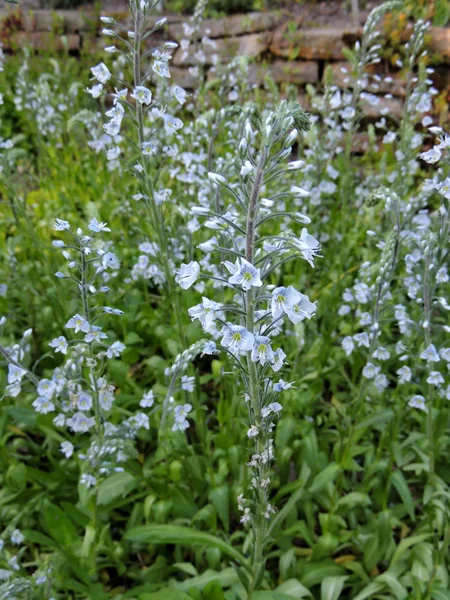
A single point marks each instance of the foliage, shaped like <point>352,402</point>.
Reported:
<point>199,470</point>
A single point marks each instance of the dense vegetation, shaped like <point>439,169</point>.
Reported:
<point>225,331</point>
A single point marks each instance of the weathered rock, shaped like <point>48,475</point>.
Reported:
<point>232,26</point>
<point>295,72</point>
<point>341,77</point>
<point>324,44</point>
<point>227,48</point>
<point>183,78</point>
<point>40,40</point>
<point>440,42</point>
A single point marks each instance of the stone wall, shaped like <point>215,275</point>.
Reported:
<point>293,53</point>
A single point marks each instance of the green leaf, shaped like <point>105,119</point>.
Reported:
<point>116,486</point>
<point>294,589</point>
<point>326,476</point>
<point>393,584</point>
<point>440,594</point>
<point>165,594</point>
<point>58,525</point>
<point>369,591</point>
<point>315,573</point>
<point>407,543</point>
<point>270,596</point>
<point>399,482</point>
<point>174,534</point>
<point>382,416</point>
<point>226,578</point>
<point>220,498</point>
<point>332,587</point>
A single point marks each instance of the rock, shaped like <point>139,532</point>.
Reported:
<point>440,42</point>
<point>295,72</point>
<point>323,44</point>
<point>341,76</point>
<point>232,26</point>
<point>246,45</point>
<point>183,78</point>
<point>40,40</point>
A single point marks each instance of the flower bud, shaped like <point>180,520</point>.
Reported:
<point>291,138</point>
<point>217,179</point>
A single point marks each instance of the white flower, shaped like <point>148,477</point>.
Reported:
<point>404,374</point>
<point>206,312</point>
<point>430,354</point>
<point>187,383</point>
<point>187,275</point>
<point>84,401</point>
<point>308,246</point>
<point>96,226</point>
<point>101,73</point>
<point>282,385</point>
<point>95,333</point>
<point>43,405</point>
<point>180,415</point>
<point>283,299</point>
<point>172,124</point>
<point>418,401</point>
<point>15,373</point>
<point>142,95</point>
<point>237,338</point>
<point>370,371</point>
<point>95,91</point>
<point>262,352</point>
<point>110,260</point>
<point>17,537</point>
<point>303,309</point>
<point>252,432</point>
<point>278,359</point>
<point>78,323</point>
<point>432,156</point>
<point>243,274</point>
<point>59,344</point>
<point>80,423</point>
<point>180,94</point>
<point>161,68</point>
<point>61,225</point>
<point>115,349</point>
<point>67,449</point>
<point>47,388</point>
<point>148,400</point>
<point>273,407</point>
<point>435,378</point>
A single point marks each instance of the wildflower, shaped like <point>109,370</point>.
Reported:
<point>17,537</point>
<point>172,124</point>
<point>67,449</point>
<point>43,405</point>
<point>432,156</point>
<point>206,312</point>
<point>283,299</point>
<point>308,246</point>
<point>180,414</point>
<point>59,344</point>
<point>101,73</point>
<point>78,323</point>
<point>237,338</point>
<point>180,94</point>
<point>381,353</point>
<point>273,407</point>
<point>15,373</point>
<point>187,275</point>
<point>161,68</point>
<point>115,350</point>
<point>210,348</point>
<point>47,388</point>
<point>246,516</point>
<point>95,91</point>
<point>187,383</point>
<point>435,378</point>
<point>96,226</point>
<point>430,354</point>
<point>262,351</point>
<point>142,95</point>
<point>282,385</point>
<point>88,480</point>
<point>80,423</point>
<point>61,225</point>
<point>243,274</point>
<point>95,333</point>
<point>278,359</point>
<point>303,309</point>
<point>148,400</point>
<point>348,345</point>
<point>252,432</point>
<point>110,260</point>
<point>404,374</point>
<point>418,401</point>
